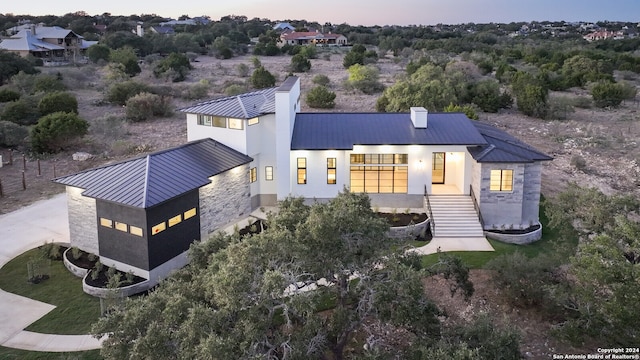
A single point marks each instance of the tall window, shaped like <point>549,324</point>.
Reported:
<point>268,173</point>
<point>331,170</point>
<point>379,173</point>
<point>253,175</point>
<point>501,180</point>
<point>302,170</point>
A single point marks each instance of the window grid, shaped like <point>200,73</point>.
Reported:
<point>268,173</point>
<point>302,170</point>
<point>501,180</point>
<point>331,171</point>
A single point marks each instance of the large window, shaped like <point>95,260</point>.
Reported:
<point>221,122</point>
<point>331,171</point>
<point>268,173</point>
<point>383,173</point>
<point>253,175</point>
<point>302,170</point>
<point>501,180</point>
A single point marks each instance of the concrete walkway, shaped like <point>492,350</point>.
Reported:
<point>454,244</point>
<point>22,230</point>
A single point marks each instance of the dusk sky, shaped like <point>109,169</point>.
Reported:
<point>353,12</point>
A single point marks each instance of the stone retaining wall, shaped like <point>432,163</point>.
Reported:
<point>519,239</point>
<point>419,229</point>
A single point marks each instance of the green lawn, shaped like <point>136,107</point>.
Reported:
<point>75,311</point>
<point>10,354</point>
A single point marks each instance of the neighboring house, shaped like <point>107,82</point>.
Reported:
<point>162,30</point>
<point>283,26</point>
<point>257,148</point>
<point>311,37</point>
<point>192,22</point>
<point>141,215</point>
<point>48,43</point>
<point>604,35</point>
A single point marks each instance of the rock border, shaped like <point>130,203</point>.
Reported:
<point>518,239</point>
<point>75,270</point>
<point>123,291</point>
<point>419,229</point>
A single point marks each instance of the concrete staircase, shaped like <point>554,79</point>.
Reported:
<point>455,217</point>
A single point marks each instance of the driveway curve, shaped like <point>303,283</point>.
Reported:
<point>22,230</point>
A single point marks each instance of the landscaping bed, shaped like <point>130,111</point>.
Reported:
<point>403,219</point>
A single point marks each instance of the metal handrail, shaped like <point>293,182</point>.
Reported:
<point>475,205</point>
<point>432,222</point>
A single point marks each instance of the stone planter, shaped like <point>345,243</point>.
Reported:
<point>519,239</point>
<point>123,291</point>
<point>415,230</point>
<point>75,270</point>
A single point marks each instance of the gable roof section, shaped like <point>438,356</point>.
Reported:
<point>503,148</point>
<point>341,131</point>
<point>153,179</point>
<point>243,106</point>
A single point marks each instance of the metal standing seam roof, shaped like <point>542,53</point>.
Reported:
<point>153,179</point>
<point>29,43</point>
<point>504,148</point>
<point>341,131</point>
<point>243,106</point>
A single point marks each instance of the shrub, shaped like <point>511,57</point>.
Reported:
<point>365,79</point>
<point>242,69</point>
<point>178,63</point>
<point>57,131</point>
<point>235,89</point>
<point>58,101</point>
<point>12,134</point>
<point>321,79</point>
<point>607,94</point>
<point>532,100</point>
<point>262,78</point>
<point>98,52</point>
<point>119,93</point>
<point>468,110</point>
<point>560,107</point>
<point>321,97</point>
<point>197,91</point>
<point>578,162</point>
<point>145,105</point>
<point>22,112</point>
<point>582,102</point>
<point>309,51</point>
<point>255,61</point>
<point>7,95</point>
<point>524,280</point>
<point>48,83</point>
<point>300,63</point>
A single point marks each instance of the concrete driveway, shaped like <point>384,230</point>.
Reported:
<point>22,230</point>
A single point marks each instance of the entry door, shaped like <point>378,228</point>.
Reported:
<point>437,168</point>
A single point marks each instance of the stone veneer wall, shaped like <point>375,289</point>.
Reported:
<point>83,224</point>
<point>226,199</point>
<point>531,194</point>
<point>502,209</point>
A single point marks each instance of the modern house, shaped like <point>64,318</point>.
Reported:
<point>311,38</point>
<point>141,215</point>
<point>48,43</point>
<point>257,148</point>
<point>394,157</point>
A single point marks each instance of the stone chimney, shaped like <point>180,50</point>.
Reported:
<point>33,29</point>
<point>419,117</point>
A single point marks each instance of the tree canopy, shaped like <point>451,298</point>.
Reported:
<point>303,289</point>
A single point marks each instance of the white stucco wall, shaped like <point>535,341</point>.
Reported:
<point>261,146</point>
<point>235,139</point>
<point>287,105</point>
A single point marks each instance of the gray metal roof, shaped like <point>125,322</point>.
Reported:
<point>148,181</point>
<point>503,148</point>
<point>243,106</point>
<point>341,131</point>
